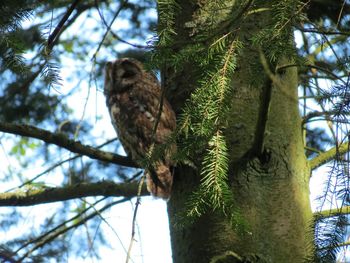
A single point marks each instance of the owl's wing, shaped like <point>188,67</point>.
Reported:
<point>148,103</point>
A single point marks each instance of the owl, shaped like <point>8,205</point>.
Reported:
<point>133,98</point>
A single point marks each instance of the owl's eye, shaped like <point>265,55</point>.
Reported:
<point>128,74</point>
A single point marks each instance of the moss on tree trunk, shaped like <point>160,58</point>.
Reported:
<point>269,176</point>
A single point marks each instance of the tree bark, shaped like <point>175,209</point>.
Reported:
<point>269,174</point>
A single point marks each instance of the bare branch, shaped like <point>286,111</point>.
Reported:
<point>323,31</point>
<point>121,6</point>
<point>53,36</point>
<point>138,202</point>
<point>55,194</point>
<point>345,210</point>
<point>325,70</point>
<point>63,141</point>
<point>62,225</point>
<point>328,155</point>
<point>63,228</point>
<point>109,30</point>
<point>326,114</point>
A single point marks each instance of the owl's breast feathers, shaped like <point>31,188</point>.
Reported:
<point>134,114</point>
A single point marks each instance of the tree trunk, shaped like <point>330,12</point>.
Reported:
<point>268,174</point>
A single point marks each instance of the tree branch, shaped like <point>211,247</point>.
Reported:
<point>326,114</point>
<point>52,38</point>
<point>55,194</point>
<point>328,155</point>
<point>345,210</point>
<point>323,69</point>
<point>324,31</point>
<point>63,141</point>
<point>78,220</point>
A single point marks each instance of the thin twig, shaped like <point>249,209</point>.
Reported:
<point>55,166</point>
<point>314,114</point>
<point>122,4</point>
<point>56,228</point>
<point>65,229</point>
<point>290,19</point>
<point>44,172</point>
<point>321,31</point>
<point>138,202</point>
<point>106,222</point>
<point>311,66</point>
<point>53,37</point>
<point>340,13</point>
<point>115,35</point>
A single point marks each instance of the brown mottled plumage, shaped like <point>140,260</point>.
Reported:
<point>133,99</point>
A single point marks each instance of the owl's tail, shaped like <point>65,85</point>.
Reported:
<point>159,181</point>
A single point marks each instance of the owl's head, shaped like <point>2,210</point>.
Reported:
<point>121,74</point>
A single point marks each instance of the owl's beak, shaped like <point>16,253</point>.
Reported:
<point>108,67</point>
<point>108,76</point>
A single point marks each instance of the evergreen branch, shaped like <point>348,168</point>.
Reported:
<point>61,140</point>
<point>328,155</point>
<point>45,195</point>
<point>329,233</point>
<point>289,20</point>
<point>275,36</point>
<point>13,13</point>
<point>167,10</point>
<point>214,172</point>
<point>345,210</point>
<point>245,8</point>
<point>213,191</point>
<point>227,26</point>
<point>205,116</point>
